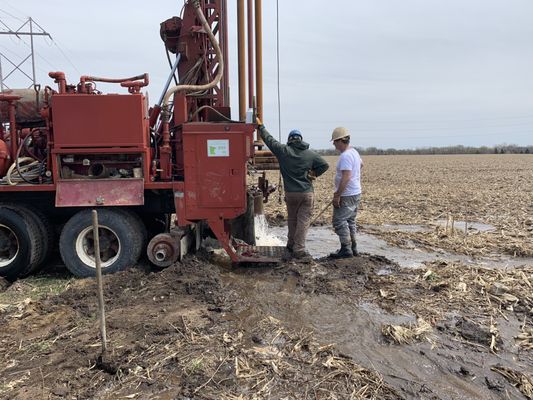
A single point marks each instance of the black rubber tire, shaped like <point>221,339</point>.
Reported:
<point>48,230</point>
<point>115,220</point>
<point>139,225</point>
<point>41,223</point>
<point>28,244</point>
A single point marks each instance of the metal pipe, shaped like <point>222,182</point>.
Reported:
<point>250,54</point>
<point>59,78</point>
<point>157,108</point>
<point>223,37</point>
<point>242,59</point>
<point>160,255</point>
<point>259,56</point>
<point>258,204</point>
<point>86,78</point>
<point>263,153</point>
<point>99,282</point>
<point>170,76</point>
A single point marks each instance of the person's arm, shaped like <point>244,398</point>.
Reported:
<point>274,146</point>
<point>345,178</point>
<point>319,166</point>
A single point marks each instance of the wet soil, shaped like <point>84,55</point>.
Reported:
<point>289,331</point>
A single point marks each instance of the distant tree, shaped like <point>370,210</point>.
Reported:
<point>458,149</point>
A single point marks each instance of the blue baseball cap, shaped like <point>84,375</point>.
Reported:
<point>295,133</point>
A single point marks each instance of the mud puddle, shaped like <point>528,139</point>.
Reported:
<point>400,227</point>
<point>440,369</point>
<point>321,241</point>
<point>467,226</point>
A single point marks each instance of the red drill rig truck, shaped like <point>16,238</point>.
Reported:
<point>70,149</point>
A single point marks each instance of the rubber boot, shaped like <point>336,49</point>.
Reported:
<point>354,247</point>
<point>344,252</point>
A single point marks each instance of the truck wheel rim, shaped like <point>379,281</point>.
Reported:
<point>109,246</point>
<point>9,245</point>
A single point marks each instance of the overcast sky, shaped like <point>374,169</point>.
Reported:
<point>402,74</point>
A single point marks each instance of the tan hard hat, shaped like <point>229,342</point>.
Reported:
<point>339,133</point>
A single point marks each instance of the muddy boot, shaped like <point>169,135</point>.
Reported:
<point>354,247</point>
<point>301,255</point>
<point>344,252</point>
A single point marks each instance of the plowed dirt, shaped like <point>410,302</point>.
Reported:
<point>298,330</point>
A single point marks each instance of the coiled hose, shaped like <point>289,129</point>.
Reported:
<point>28,169</point>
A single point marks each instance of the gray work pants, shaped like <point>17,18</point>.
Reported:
<point>344,218</point>
<point>299,210</point>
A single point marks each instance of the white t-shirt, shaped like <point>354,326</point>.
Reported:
<point>349,160</point>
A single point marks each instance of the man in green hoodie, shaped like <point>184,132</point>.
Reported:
<point>299,166</point>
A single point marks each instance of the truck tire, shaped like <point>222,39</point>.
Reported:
<point>136,220</point>
<point>47,229</point>
<point>120,242</point>
<point>45,232</point>
<point>19,244</point>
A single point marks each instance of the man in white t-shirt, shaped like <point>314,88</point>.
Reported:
<point>347,193</point>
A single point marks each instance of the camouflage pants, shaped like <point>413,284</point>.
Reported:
<point>344,218</point>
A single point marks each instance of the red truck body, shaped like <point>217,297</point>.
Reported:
<point>68,149</point>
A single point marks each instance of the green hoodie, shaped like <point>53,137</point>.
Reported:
<point>295,161</point>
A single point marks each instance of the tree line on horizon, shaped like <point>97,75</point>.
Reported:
<point>457,149</point>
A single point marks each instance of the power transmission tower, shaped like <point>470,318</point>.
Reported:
<point>26,29</point>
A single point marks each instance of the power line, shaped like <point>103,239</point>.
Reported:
<point>14,9</point>
<point>64,55</point>
<point>11,15</point>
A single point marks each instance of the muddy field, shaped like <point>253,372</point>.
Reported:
<point>363,328</point>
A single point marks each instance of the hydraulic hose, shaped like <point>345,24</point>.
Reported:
<point>216,79</point>
<point>29,169</point>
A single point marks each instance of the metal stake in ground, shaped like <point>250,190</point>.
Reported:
<point>97,261</point>
<point>321,212</point>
